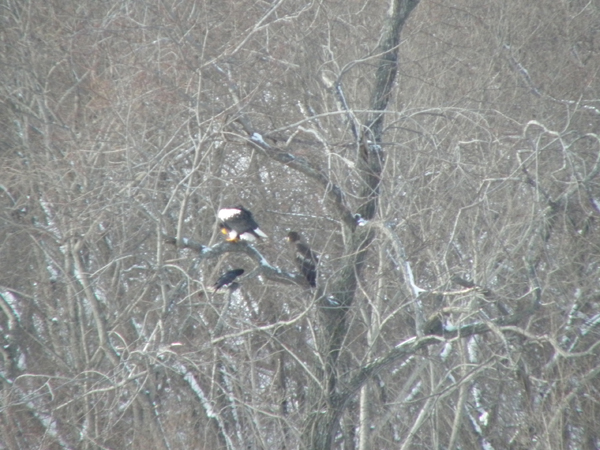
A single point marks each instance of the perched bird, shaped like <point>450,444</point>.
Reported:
<point>434,325</point>
<point>306,259</point>
<point>226,280</point>
<point>238,224</point>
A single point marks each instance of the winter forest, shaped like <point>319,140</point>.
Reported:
<point>441,159</point>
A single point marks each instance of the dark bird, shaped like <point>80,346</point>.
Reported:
<point>306,259</point>
<point>434,325</point>
<point>226,280</point>
<point>238,224</point>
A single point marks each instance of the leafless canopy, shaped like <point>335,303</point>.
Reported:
<point>442,159</point>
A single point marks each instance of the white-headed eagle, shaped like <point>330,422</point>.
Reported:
<point>238,224</point>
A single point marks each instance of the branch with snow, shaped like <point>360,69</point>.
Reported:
<point>267,270</point>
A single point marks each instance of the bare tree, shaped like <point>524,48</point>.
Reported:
<point>441,159</point>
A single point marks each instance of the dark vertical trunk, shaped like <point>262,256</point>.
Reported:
<point>327,406</point>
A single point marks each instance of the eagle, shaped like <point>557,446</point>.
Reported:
<point>238,224</point>
<point>306,259</point>
<point>226,280</point>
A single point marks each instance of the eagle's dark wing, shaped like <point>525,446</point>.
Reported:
<point>227,278</point>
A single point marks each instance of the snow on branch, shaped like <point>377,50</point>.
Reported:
<point>269,271</point>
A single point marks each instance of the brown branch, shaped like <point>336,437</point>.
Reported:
<point>270,272</point>
<point>333,191</point>
<point>412,345</point>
